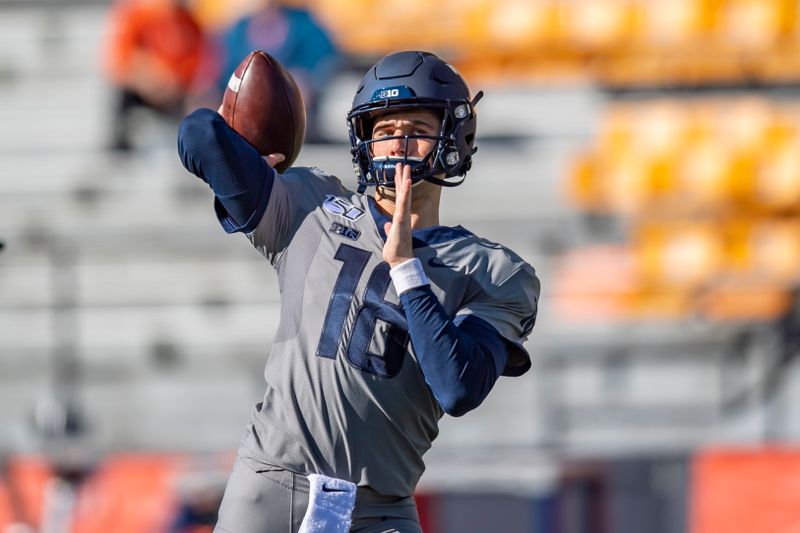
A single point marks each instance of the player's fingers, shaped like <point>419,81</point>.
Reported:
<point>403,191</point>
<point>401,198</point>
<point>398,177</point>
<point>407,190</point>
<point>387,227</point>
<point>407,186</point>
<point>274,159</point>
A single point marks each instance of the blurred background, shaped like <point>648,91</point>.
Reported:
<point>643,155</point>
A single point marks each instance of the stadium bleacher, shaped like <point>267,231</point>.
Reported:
<point>664,228</point>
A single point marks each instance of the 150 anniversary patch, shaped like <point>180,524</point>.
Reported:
<point>340,206</point>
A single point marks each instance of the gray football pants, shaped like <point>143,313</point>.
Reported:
<point>275,501</point>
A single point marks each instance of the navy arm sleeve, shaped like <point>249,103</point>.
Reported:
<point>461,359</point>
<point>232,167</point>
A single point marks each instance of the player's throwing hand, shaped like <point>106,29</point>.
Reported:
<point>398,232</point>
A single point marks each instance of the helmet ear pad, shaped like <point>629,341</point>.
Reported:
<point>461,141</point>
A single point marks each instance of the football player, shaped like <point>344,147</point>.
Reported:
<point>389,320</point>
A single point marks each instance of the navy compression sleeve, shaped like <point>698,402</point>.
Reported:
<point>240,178</point>
<point>461,359</point>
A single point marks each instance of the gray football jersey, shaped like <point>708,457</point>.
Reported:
<point>345,396</point>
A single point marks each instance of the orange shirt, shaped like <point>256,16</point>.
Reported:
<point>161,29</point>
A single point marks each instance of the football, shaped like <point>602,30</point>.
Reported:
<point>263,104</point>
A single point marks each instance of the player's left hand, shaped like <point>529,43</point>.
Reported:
<point>398,247</point>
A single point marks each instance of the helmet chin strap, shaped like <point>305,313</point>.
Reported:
<point>442,183</point>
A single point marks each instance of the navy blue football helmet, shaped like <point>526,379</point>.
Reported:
<point>408,81</point>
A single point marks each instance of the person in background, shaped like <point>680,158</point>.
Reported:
<point>297,40</point>
<point>153,59</point>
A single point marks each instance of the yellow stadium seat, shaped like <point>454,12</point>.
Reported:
<point>774,250</point>
<point>356,25</point>
<point>755,25</point>
<point>673,24</point>
<point>660,127</point>
<point>593,26</point>
<point>216,15</point>
<point>702,175</point>
<point>519,26</point>
<point>582,187</point>
<point>616,130</point>
<point>777,184</point>
<point>626,182</point>
<point>743,123</point>
<point>619,183</point>
<point>680,255</point>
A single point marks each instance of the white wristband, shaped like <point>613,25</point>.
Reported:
<point>408,275</point>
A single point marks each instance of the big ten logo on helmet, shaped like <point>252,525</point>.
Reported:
<point>389,93</point>
<point>398,91</point>
<point>340,206</point>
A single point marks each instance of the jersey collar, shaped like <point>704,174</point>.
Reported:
<point>429,236</point>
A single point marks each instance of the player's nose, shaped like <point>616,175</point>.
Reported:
<point>399,146</point>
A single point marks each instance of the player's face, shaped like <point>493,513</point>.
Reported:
<point>401,123</point>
